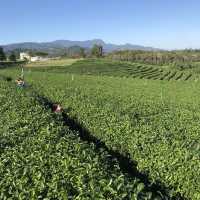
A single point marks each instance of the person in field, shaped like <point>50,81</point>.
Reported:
<point>20,82</point>
<point>57,108</point>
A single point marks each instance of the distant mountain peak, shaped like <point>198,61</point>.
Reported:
<point>98,41</point>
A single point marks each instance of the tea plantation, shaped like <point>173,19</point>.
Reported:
<point>121,69</point>
<point>154,123</point>
<point>40,158</point>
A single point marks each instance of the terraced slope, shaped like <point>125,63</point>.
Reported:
<point>121,69</point>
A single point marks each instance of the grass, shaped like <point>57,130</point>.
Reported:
<point>53,63</point>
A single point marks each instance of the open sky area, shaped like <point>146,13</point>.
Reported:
<point>168,24</point>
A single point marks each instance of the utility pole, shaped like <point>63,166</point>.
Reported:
<point>22,71</point>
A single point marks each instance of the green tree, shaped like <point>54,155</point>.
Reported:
<point>2,54</point>
<point>41,53</point>
<point>97,51</point>
<point>82,52</point>
<point>12,57</point>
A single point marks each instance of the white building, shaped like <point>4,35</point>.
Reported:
<point>35,58</point>
<point>24,56</point>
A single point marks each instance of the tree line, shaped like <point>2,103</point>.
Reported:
<point>71,52</point>
<point>12,57</point>
<point>179,57</point>
<point>80,52</point>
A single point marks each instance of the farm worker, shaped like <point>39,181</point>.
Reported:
<point>20,82</point>
<point>56,108</point>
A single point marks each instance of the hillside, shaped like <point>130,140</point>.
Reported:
<point>105,67</point>
<point>60,44</point>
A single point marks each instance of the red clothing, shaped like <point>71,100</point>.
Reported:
<point>57,108</point>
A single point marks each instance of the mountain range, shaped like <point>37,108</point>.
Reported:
<point>62,44</point>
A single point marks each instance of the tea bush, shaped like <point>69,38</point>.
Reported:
<point>40,158</point>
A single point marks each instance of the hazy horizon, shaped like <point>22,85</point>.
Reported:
<point>107,42</point>
<point>165,25</point>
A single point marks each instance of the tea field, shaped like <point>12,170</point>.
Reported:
<point>40,158</point>
<point>154,123</point>
<point>121,69</point>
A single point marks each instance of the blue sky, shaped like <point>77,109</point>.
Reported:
<point>166,24</point>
